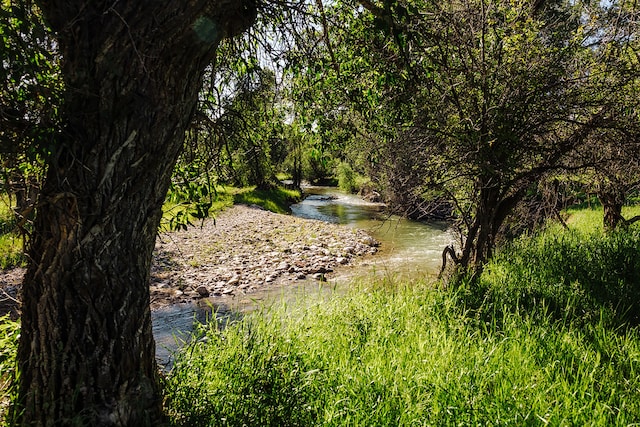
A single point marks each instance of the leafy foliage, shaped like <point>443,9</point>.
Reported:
<point>30,96</point>
<point>464,104</point>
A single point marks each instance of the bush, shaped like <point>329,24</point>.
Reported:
<point>574,274</point>
<point>346,177</point>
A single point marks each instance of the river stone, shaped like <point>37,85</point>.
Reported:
<point>253,248</point>
<point>370,241</point>
<point>202,291</point>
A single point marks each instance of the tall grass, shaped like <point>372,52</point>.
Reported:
<point>411,356</point>
<point>9,333</point>
<point>11,252</point>
<point>578,272</point>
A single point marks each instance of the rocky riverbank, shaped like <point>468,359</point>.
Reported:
<point>244,250</point>
<point>247,249</point>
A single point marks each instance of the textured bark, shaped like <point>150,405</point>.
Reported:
<point>494,206</point>
<point>612,202</point>
<point>132,71</point>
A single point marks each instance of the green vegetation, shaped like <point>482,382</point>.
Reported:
<point>9,333</point>
<point>178,213</point>
<point>549,337</point>
<point>489,112</point>
<point>582,276</point>
<point>275,200</point>
<point>588,218</point>
<point>11,254</point>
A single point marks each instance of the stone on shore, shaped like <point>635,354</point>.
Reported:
<point>246,249</point>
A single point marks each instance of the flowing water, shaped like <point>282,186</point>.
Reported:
<point>408,249</point>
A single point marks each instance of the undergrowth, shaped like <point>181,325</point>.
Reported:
<point>407,357</point>
<point>9,334</point>
<point>580,272</point>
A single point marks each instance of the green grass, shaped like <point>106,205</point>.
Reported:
<point>547,335</point>
<point>11,252</point>
<point>582,269</point>
<point>179,214</point>
<point>275,200</point>
<point>9,333</point>
<point>409,356</point>
<point>588,219</point>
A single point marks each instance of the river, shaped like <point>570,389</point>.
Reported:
<point>408,249</point>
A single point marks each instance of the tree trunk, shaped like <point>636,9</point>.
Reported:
<point>486,217</point>
<point>491,212</point>
<point>612,202</point>
<point>132,73</point>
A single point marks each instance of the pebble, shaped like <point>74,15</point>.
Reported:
<point>202,291</point>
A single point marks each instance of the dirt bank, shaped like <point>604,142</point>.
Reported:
<point>245,249</point>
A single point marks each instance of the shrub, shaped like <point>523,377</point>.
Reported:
<point>346,177</point>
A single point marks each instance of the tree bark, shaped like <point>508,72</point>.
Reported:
<point>490,214</point>
<point>132,72</point>
<point>612,202</point>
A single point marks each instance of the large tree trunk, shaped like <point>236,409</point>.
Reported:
<point>132,72</point>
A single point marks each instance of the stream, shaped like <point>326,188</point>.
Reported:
<point>408,249</point>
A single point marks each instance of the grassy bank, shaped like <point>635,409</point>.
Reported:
<point>179,212</point>
<point>411,356</point>
<point>549,336</point>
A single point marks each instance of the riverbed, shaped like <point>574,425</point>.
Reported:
<point>327,224</point>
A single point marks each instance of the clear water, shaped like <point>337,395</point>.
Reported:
<point>408,248</point>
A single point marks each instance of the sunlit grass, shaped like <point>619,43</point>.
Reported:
<point>407,357</point>
<point>11,251</point>
<point>9,333</point>
<point>275,200</point>
<point>590,219</point>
